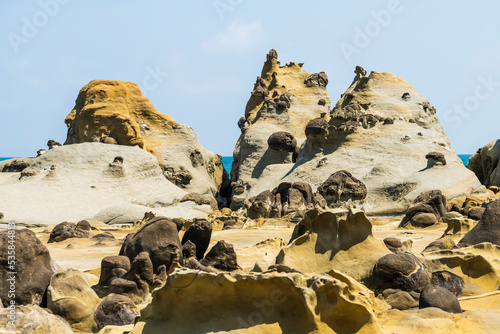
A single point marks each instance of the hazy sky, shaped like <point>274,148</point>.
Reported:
<point>198,60</point>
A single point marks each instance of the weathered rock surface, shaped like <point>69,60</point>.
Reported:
<point>354,140</point>
<point>34,320</point>
<point>118,110</point>
<point>339,240</point>
<point>70,296</point>
<point>193,301</point>
<point>478,265</point>
<point>88,179</point>
<point>484,163</point>
<point>33,267</point>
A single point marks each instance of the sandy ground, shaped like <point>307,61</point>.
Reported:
<point>86,254</point>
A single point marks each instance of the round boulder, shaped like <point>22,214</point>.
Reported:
<point>115,310</point>
<point>282,141</point>
<point>436,296</point>
<point>400,271</point>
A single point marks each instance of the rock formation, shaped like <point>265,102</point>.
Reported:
<point>377,118</point>
<point>484,163</point>
<point>289,99</point>
<point>89,179</point>
<point>116,111</point>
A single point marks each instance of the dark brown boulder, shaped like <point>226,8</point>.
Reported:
<point>423,219</point>
<point>436,296</point>
<point>197,198</point>
<point>388,121</point>
<point>440,244</point>
<point>399,271</point>
<point>229,224</point>
<point>113,267</point>
<point>342,186</point>
<point>487,229</point>
<point>322,102</point>
<point>282,141</point>
<point>317,126</point>
<point>159,238</point>
<point>484,163</point>
<point>223,256</point>
<point>67,230</point>
<point>434,158</point>
<point>261,205</point>
<point>476,213</point>
<point>394,245</point>
<point>449,281</point>
<point>33,267</point>
<point>103,235</point>
<point>188,250</point>
<point>115,310</point>
<point>432,201</point>
<point>199,234</point>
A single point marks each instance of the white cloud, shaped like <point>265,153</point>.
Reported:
<point>238,38</point>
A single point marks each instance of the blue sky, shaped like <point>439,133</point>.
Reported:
<point>198,60</point>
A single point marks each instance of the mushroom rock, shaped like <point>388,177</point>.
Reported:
<point>117,112</point>
<point>355,139</point>
<point>434,158</point>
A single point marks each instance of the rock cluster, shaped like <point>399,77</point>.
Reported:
<point>379,114</point>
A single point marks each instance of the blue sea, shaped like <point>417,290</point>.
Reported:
<point>228,161</point>
<point>465,158</point>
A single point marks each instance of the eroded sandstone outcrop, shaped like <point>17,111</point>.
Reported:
<point>380,131</point>
<point>339,239</point>
<point>193,301</point>
<point>116,111</point>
